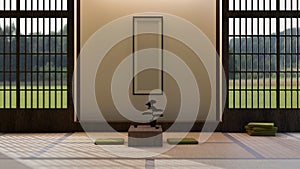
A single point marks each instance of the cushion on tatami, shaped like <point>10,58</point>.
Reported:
<point>182,141</point>
<point>261,129</point>
<point>262,125</point>
<point>261,133</point>
<point>109,141</point>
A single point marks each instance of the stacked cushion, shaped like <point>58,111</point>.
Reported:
<point>261,129</point>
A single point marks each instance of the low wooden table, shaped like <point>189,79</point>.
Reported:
<point>144,136</point>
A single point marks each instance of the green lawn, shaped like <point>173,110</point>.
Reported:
<point>251,95</point>
<point>262,99</point>
<point>244,99</point>
<point>43,98</point>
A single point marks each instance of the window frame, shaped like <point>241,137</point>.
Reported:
<point>277,14</point>
<point>24,14</point>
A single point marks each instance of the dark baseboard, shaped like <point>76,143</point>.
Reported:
<point>124,126</point>
<point>286,120</point>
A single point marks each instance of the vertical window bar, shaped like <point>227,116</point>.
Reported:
<point>258,44</point>
<point>252,32</point>
<point>229,82</point>
<point>291,60</point>
<point>233,5</point>
<point>49,68</point>
<point>31,61</point>
<point>44,61</point>
<point>44,33</point>
<point>270,63</point>
<point>285,6</point>
<point>26,35</point>
<point>55,62</point>
<point>278,56</point>
<point>264,61</point>
<point>37,61</point>
<point>234,58</point>
<point>240,54</point>
<point>4,61</point>
<point>61,61</point>
<point>18,34</point>
<point>297,60</point>
<point>246,57</point>
<point>10,64</point>
<point>285,60</point>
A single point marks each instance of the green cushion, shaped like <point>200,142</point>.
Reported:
<point>182,141</point>
<point>261,129</point>
<point>261,133</point>
<point>109,141</point>
<point>262,125</point>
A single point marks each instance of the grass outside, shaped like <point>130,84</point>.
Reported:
<point>263,93</point>
<point>248,98</point>
<point>263,99</point>
<point>43,98</point>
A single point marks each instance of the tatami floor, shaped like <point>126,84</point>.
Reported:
<point>221,150</point>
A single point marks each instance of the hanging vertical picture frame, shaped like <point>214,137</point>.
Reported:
<point>147,55</point>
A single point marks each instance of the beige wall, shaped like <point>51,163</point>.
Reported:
<point>97,13</point>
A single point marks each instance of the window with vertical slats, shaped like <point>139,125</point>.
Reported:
<point>263,53</point>
<point>34,54</point>
<point>8,67</point>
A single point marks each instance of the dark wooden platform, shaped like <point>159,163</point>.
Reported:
<point>144,136</point>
